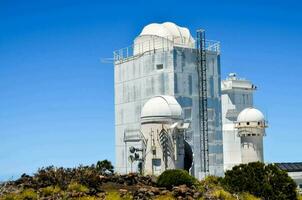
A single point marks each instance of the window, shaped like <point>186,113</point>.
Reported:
<point>175,83</point>
<point>159,66</point>
<point>156,166</point>
<point>190,85</point>
<point>247,123</point>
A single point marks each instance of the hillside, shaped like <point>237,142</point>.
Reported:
<point>99,182</point>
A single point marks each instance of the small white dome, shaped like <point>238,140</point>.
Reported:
<point>250,115</point>
<point>162,108</point>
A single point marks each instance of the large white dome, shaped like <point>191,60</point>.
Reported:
<point>161,108</point>
<point>168,30</point>
<point>250,115</point>
<point>162,36</point>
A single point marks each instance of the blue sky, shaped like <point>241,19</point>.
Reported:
<point>57,98</point>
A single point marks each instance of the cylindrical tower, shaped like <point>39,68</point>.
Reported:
<point>251,126</point>
<point>163,130</point>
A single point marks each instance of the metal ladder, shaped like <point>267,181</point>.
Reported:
<point>203,104</point>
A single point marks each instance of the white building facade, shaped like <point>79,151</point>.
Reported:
<point>236,95</point>
<point>162,61</point>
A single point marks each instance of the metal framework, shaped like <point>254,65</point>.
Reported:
<point>203,104</point>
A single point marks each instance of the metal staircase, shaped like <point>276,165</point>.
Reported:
<point>203,104</point>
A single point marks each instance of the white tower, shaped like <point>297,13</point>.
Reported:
<point>163,130</point>
<point>236,95</point>
<point>251,126</point>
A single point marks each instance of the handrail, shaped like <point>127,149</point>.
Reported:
<point>158,43</point>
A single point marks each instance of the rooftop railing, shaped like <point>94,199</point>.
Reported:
<point>156,43</point>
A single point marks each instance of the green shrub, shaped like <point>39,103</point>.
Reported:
<point>104,166</point>
<point>27,194</point>
<point>248,196</point>
<point>211,182</point>
<point>9,197</point>
<point>175,177</point>
<point>265,181</point>
<point>223,195</point>
<point>74,186</point>
<point>50,190</point>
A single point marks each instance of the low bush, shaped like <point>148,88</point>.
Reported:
<point>175,177</point>
<point>264,181</point>
<point>248,196</point>
<point>27,194</point>
<point>50,190</point>
<point>76,187</point>
<point>223,195</point>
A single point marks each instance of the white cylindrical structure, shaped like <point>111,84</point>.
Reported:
<point>160,119</point>
<point>251,149</point>
<point>251,126</point>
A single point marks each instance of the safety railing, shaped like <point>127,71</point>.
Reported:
<point>156,43</point>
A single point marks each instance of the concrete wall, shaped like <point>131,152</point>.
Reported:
<point>138,79</point>
<point>186,93</point>
<point>252,149</point>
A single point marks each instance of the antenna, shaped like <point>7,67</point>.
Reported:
<point>107,60</point>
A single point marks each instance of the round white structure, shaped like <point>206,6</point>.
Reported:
<point>251,126</point>
<point>161,108</point>
<point>161,126</point>
<point>250,115</point>
<point>162,36</point>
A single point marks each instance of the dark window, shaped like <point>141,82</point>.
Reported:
<point>159,66</point>
<point>247,123</point>
<point>175,83</point>
<point>190,85</point>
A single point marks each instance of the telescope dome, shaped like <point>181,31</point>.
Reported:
<point>161,108</point>
<point>250,115</point>
<point>162,36</point>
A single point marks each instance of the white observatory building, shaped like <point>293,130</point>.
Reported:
<point>243,125</point>
<point>251,126</point>
<point>165,60</point>
<point>173,111</point>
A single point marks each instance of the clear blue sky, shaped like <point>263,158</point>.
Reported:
<point>56,97</point>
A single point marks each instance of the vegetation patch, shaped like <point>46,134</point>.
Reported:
<point>175,177</point>
<point>253,181</point>
<point>264,181</point>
